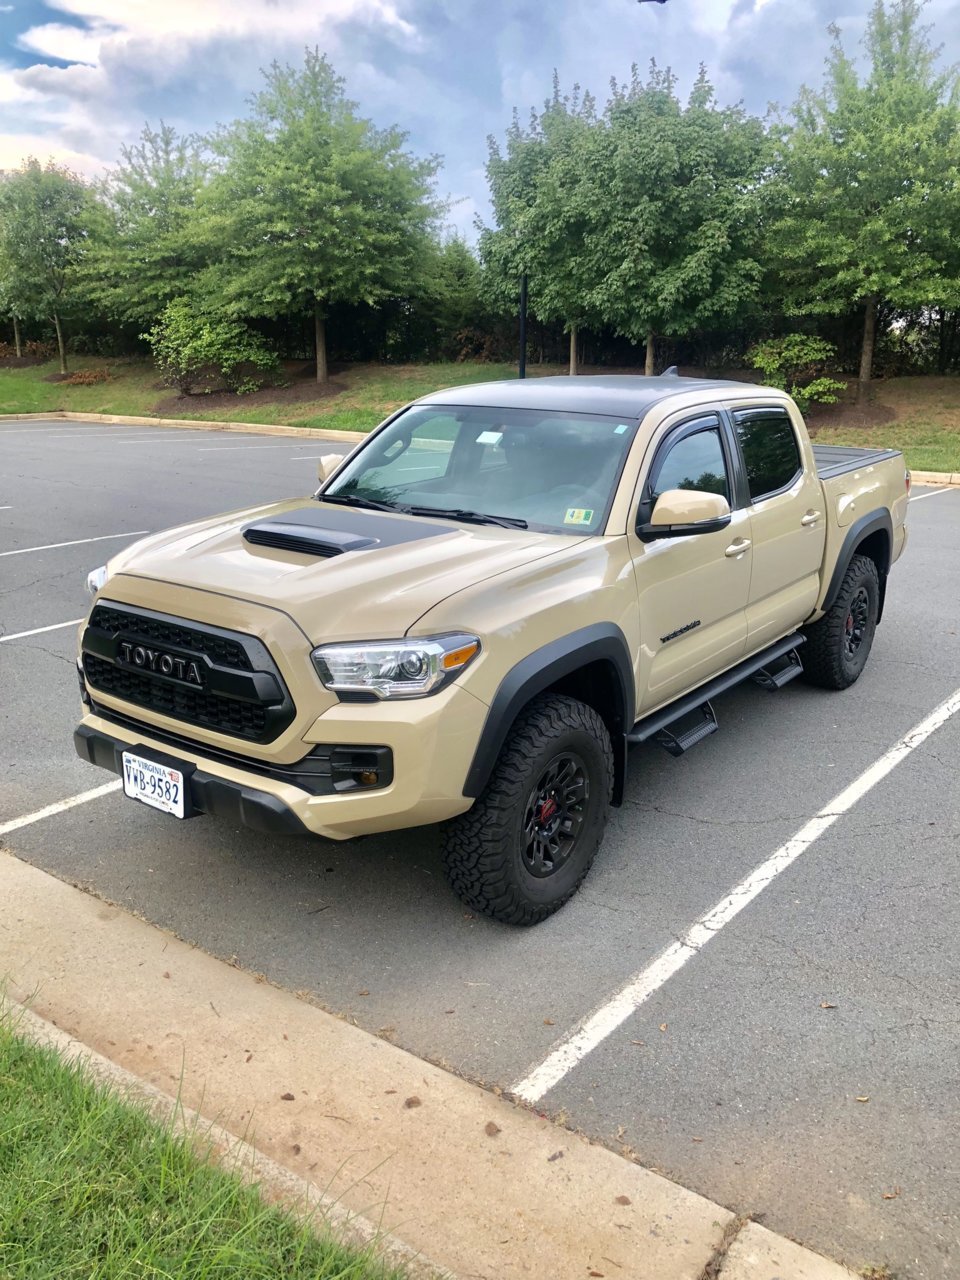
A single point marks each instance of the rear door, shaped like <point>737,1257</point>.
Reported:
<point>693,590</point>
<point>787,517</point>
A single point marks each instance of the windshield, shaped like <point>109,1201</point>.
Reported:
<point>548,471</point>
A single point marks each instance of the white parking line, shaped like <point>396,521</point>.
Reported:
<point>60,807</point>
<point>123,433</point>
<point>934,493</point>
<point>226,448</point>
<point>51,546</point>
<point>6,508</point>
<point>600,1024</point>
<point>39,631</point>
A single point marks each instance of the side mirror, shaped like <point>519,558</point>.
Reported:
<point>328,465</point>
<point>682,512</point>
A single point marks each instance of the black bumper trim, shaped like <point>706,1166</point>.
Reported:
<point>327,770</point>
<point>218,797</point>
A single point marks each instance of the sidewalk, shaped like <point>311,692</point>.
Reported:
<point>466,1180</point>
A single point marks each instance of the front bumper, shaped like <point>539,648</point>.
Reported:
<point>424,751</point>
<point>219,797</point>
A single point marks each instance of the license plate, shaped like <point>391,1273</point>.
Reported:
<point>154,784</point>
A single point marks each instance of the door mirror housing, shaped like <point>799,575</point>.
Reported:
<point>328,465</point>
<point>679,513</point>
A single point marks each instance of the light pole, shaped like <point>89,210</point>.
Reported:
<point>522,371</point>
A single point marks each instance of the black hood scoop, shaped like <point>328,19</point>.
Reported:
<point>327,530</point>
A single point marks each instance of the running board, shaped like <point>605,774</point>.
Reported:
<point>763,664</point>
<point>776,674</point>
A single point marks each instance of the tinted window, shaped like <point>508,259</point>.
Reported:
<point>695,462</point>
<point>769,447</point>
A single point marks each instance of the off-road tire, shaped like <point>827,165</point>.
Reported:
<point>827,657</point>
<point>484,849</point>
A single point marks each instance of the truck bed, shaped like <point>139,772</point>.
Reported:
<point>835,459</point>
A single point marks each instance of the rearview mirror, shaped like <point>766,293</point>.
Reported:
<point>681,512</point>
<point>328,465</point>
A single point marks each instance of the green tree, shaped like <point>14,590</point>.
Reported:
<point>313,205</point>
<point>147,251</point>
<point>867,194</point>
<point>678,250</point>
<point>14,301</point>
<point>547,208</point>
<point>46,213</point>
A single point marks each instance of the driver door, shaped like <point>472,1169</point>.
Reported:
<point>692,590</point>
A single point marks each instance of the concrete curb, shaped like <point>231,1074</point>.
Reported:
<point>249,428</point>
<point>277,1184</point>
<point>480,1186</point>
<point>935,477</point>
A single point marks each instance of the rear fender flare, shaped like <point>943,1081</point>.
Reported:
<point>878,521</point>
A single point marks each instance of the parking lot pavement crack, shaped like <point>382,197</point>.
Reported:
<point>646,807</point>
<point>61,657</point>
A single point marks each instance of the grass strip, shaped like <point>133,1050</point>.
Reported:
<point>923,412</point>
<point>92,1185</point>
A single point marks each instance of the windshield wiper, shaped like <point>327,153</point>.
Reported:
<point>354,500</point>
<point>469,517</point>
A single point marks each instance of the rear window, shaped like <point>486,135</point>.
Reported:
<point>770,451</point>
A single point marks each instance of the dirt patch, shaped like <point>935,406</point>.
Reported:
<point>300,385</point>
<point>860,416</point>
<point>56,377</point>
<point>21,362</point>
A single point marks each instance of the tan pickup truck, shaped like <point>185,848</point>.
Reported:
<point>482,607</point>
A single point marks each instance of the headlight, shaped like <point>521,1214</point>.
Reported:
<point>395,668</point>
<point>96,578</point>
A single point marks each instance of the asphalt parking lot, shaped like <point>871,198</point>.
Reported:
<point>805,1068</point>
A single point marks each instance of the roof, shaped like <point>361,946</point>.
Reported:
<point>619,395</point>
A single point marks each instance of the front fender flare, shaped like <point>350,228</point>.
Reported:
<point>600,642</point>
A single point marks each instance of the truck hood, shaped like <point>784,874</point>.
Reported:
<point>339,573</point>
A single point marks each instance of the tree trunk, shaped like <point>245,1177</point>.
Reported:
<point>60,347</point>
<point>573,350</point>
<point>320,334</point>
<point>942,348</point>
<point>16,337</point>
<point>648,363</point>
<point>866,353</point>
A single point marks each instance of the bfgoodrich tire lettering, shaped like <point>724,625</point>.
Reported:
<point>524,848</point>
<point>839,643</point>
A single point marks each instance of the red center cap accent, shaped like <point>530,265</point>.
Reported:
<point>547,809</point>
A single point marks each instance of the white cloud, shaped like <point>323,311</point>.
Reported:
<point>16,147</point>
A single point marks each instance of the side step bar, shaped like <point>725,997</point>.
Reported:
<point>772,668</point>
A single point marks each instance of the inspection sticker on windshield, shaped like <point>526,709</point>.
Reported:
<point>578,515</point>
<point>489,437</point>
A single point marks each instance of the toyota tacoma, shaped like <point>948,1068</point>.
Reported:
<point>483,606</point>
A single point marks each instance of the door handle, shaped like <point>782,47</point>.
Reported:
<point>738,548</point>
<point>810,518</point>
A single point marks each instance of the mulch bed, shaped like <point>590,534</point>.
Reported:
<point>301,385</point>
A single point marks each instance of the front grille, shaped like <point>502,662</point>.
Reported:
<point>225,715</point>
<point>203,675</point>
<point>179,635</point>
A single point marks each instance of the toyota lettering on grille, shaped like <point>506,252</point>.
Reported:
<point>164,664</point>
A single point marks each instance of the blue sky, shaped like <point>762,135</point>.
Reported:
<point>78,78</point>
